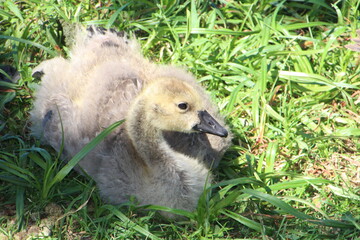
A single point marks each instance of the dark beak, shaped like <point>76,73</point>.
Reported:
<point>209,125</point>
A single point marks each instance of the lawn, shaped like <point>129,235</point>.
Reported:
<point>281,76</point>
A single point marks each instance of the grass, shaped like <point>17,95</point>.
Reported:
<point>277,70</point>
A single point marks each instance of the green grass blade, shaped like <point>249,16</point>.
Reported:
<point>290,210</point>
<point>226,201</point>
<point>232,100</point>
<point>270,156</point>
<point>344,193</point>
<point>194,23</point>
<point>14,180</point>
<point>278,203</point>
<point>179,212</point>
<point>239,181</point>
<point>297,183</point>
<point>130,223</point>
<point>37,159</point>
<point>295,26</point>
<point>14,9</point>
<point>5,98</point>
<point>51,52</point>
<point>347,132</point>
<point>113,17</point>
<point>318,209</point>
<point>16,171</point>
<point>20,206</point>
<point>246,221</point>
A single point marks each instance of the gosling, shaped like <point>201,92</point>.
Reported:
<point>173,135</point>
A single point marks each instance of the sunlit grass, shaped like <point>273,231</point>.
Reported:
<point>278,72</point>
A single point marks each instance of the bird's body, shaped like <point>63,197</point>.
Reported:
<point>158,155</point>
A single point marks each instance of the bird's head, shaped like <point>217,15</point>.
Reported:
<point>174,105</point>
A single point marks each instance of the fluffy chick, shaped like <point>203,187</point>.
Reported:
<point>173,133</point>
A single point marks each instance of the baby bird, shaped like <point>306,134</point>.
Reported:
<point>172,135</point>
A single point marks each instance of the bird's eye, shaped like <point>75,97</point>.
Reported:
<point>183,106</point>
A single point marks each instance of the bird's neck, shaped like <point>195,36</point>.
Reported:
<point>146,138</point>
<point>177,174</point>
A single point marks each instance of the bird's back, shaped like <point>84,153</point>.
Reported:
<point>89,91</point>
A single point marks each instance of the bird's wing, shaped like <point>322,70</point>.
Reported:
<point>115,100</point>
<point>79,105</point>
